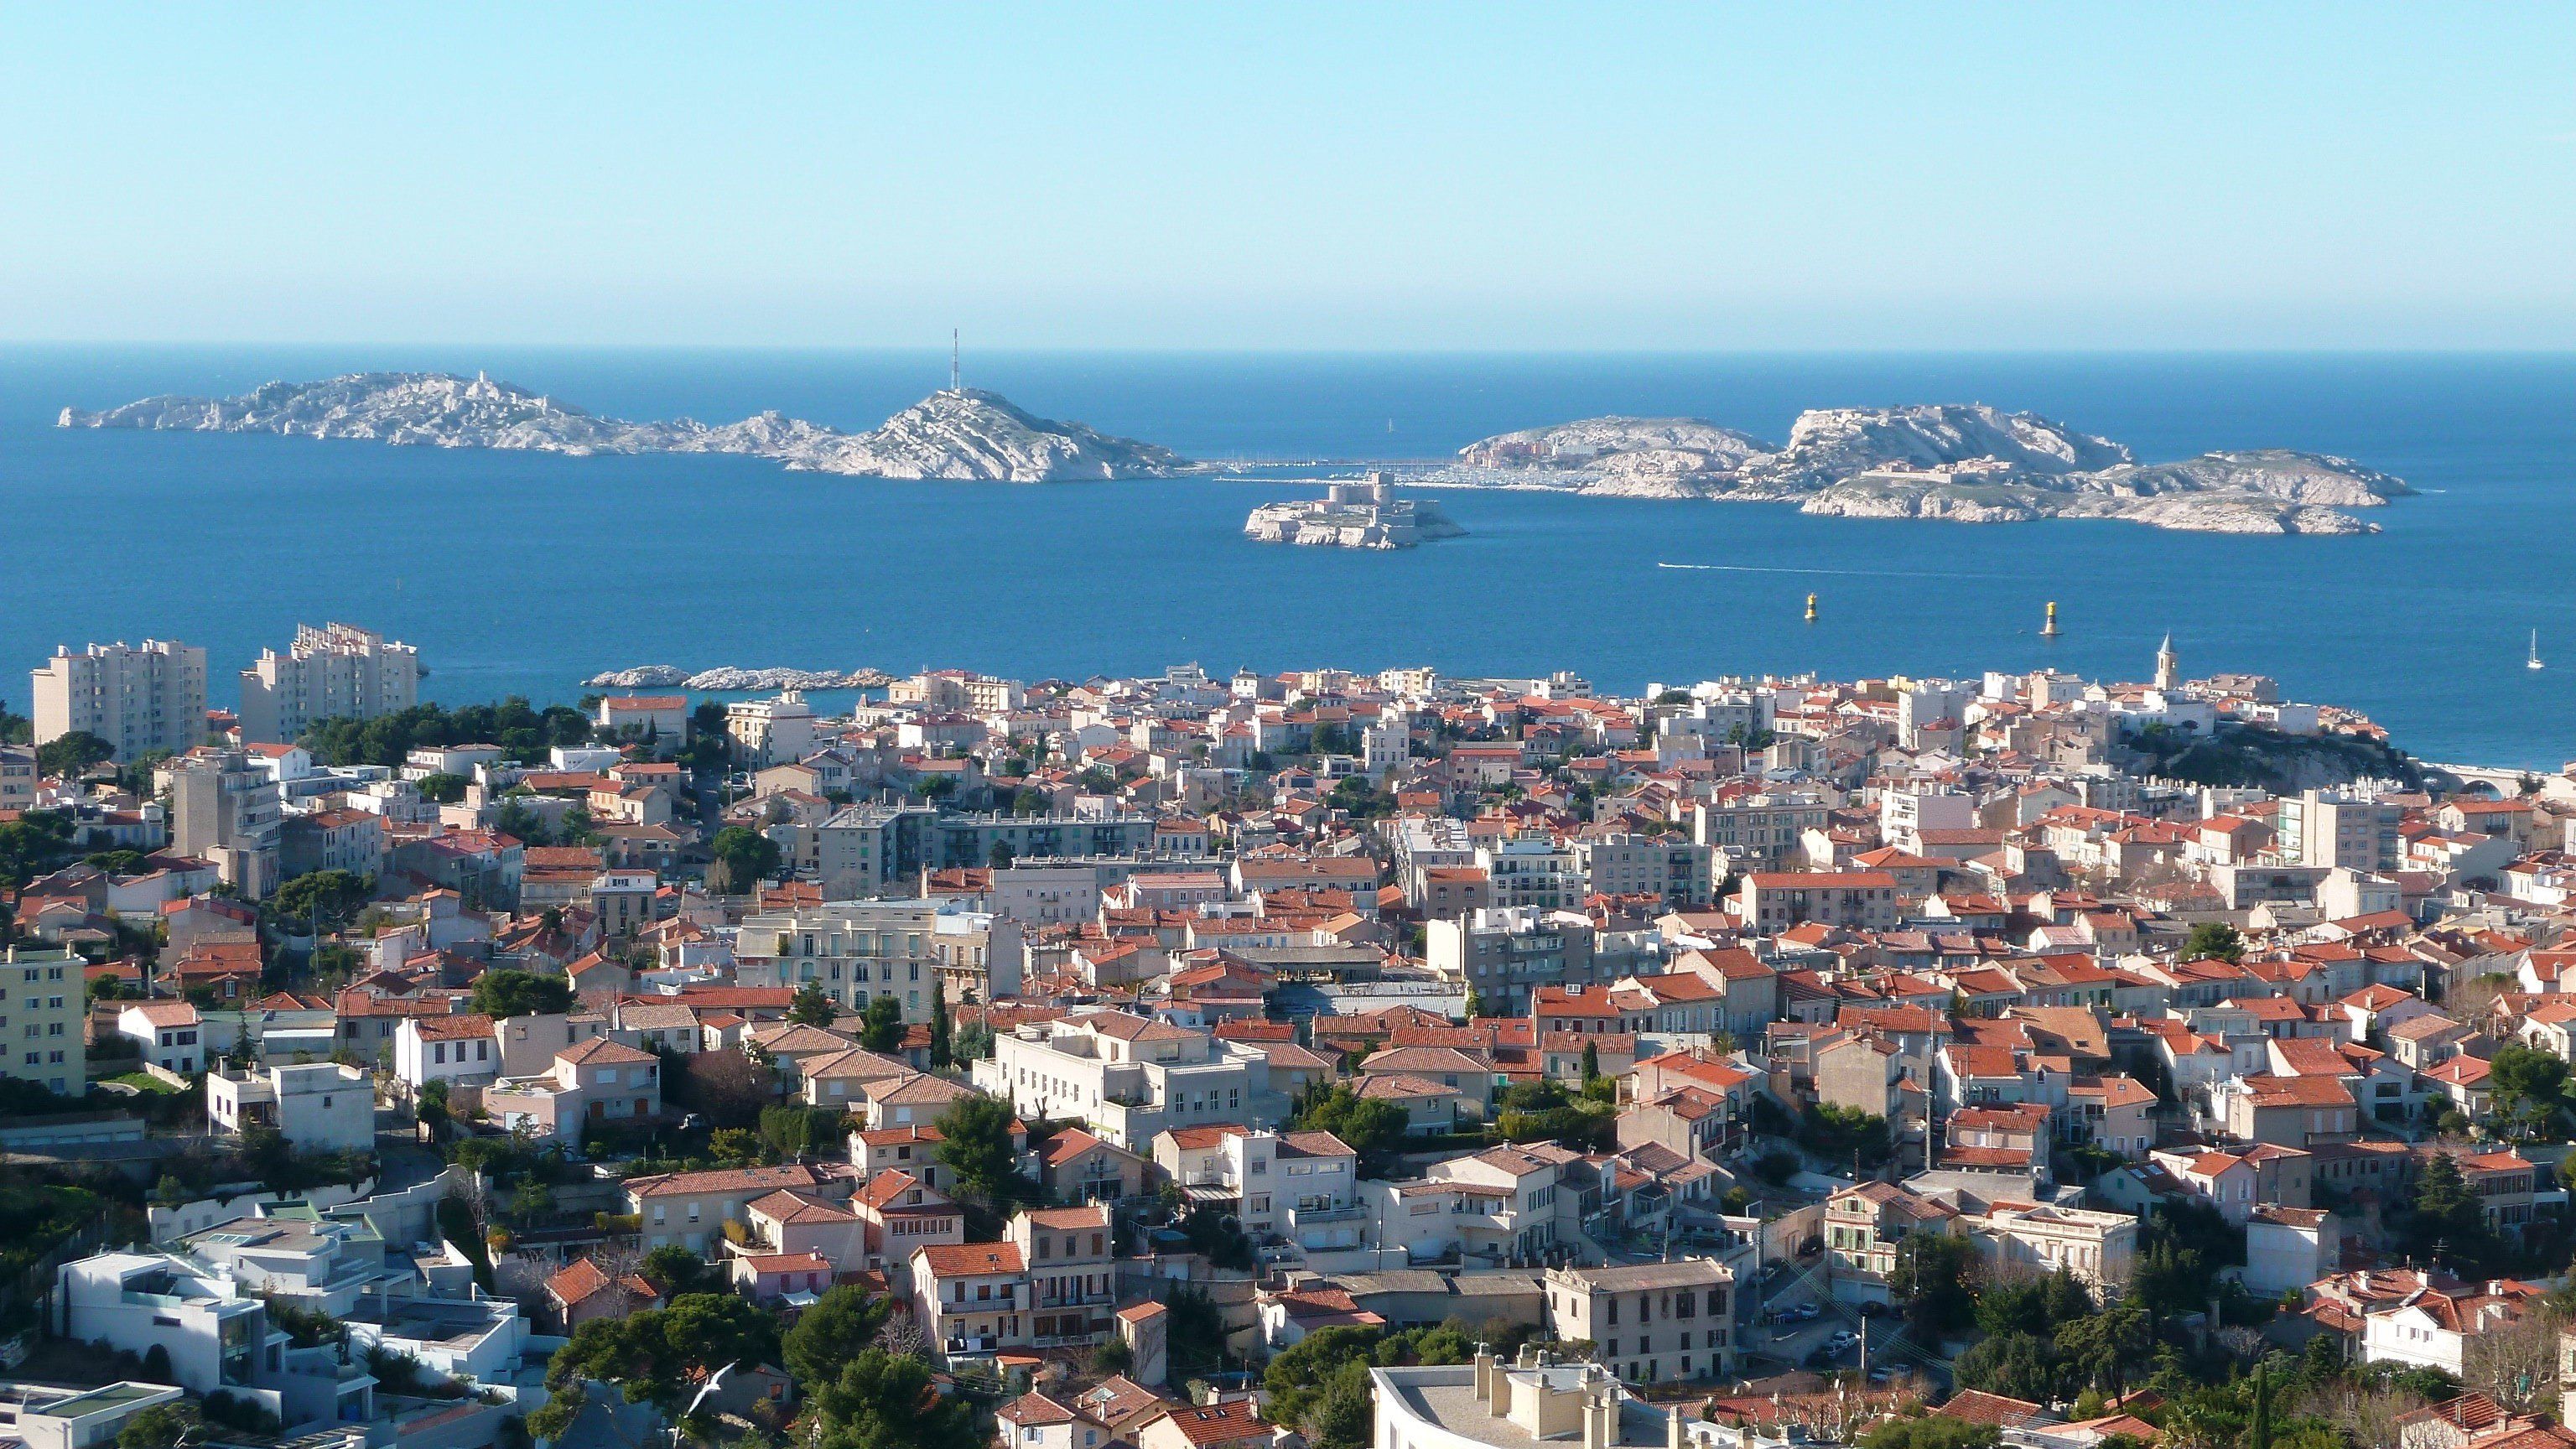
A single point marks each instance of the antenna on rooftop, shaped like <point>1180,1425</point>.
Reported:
<point>953,384</point>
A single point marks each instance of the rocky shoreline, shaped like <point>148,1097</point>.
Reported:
<point>1967,464</point>
<point>734,677</point>
<point>962,434</point>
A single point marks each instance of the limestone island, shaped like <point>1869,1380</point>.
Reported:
<point>1966,463</point>
<point>961,433</point>
<point>731,677</point>
<point>1366,514</point>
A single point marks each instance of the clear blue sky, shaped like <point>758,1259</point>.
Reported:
<point>1308,176</point>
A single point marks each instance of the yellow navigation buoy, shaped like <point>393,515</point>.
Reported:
<point>2049,630</point>
<point>1811,608</point>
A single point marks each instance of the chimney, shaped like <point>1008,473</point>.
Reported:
<point>1675,1436</point>
<point>1484,1375</point>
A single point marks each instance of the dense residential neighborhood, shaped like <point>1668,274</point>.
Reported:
<point>1319,1058</point>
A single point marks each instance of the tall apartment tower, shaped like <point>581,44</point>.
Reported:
<point>137,698</point>
<point>336,671</point>
<point>224,810</point>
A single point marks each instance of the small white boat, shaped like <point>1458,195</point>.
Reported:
<point>2533,662</point>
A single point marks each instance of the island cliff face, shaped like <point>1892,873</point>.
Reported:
<point>964,434</point>
<point>1966,463</point>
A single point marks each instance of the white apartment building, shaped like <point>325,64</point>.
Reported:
<point>1651,1323</point>
<point>1535,872</point>
<point>1128,1078</point>
<point>771,731</point>
<point>18,775</point>
<point>1759,830</point>
<point>138,699</point>
<point>857,951</point>
<point>1904,814</point>
<point>334,672</point>
<point>1229,1166</point>
<point>44,1006</point>
<point>318,1106</point>
<point>1683,874</point>
<point>225,809</point>
<point>2340,828</point>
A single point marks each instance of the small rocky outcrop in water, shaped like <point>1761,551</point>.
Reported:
<point>963,434</point>
<point>1965,463</point>
<point>734,677</point>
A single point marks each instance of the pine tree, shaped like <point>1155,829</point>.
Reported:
<point>941,1046</point>
<point>2259,1434</point>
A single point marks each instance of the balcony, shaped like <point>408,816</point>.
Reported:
<point>1307,1216</point>
<point>1100,1299</point>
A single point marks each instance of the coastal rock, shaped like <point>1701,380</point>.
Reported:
<point>734,678</point>
<point>1642,446</point>
<point>1827,445</point>
<point>975,435</point>
<point>2276,472</point>
<point>1966,463</point>
<point>651,676</point>
<point>961,434</point>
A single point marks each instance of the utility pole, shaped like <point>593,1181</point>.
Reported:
<point>1864,1348</point>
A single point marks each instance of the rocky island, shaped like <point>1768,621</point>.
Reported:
<point>732,677</point>
<point>1967,463</point>
<point>963,434</point>
<point>1366,514</point>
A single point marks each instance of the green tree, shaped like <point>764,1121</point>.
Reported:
<point>812,1005</point>
<point>882,1400</point>
<point>442,789</point>
<point>333,897</point>
<point>883,1031</point>
<point>512,992</point>
<point>1195,1332</point>
<point>1001,855</point>
<point>2015,1365</point>
<point>943,1046</point>
<point>163,1426</point>
<point>653,1354</point>
<point>838,1328</point>
<point>675,1271</point>
<point>2528,1088</point>
<point>67,755</point>
<point>746,857</point>
<point>1930,1280</point>
<point>1930,1431</point>
<point>2213,940</point>
<point>1374,1129</point>
<point>975,1143</point>
<point>520,823</point>
<point>2447,1223</point>
<point>2100,1348</point>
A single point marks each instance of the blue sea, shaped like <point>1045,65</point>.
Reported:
<point>524,573</point>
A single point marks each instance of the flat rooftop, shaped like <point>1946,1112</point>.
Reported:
<point>1447,1397</point>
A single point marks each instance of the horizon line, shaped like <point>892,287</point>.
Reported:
<point>2494,350</point>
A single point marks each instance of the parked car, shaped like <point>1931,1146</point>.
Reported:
<point>1840,1339</point>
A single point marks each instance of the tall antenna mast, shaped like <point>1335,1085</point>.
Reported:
<point>953,384</point>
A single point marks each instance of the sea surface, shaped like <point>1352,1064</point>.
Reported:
<point>523,573</point>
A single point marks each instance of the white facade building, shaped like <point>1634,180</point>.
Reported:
<point>319,1106</point>
<point>138,699</point>
<point>336,671</point>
